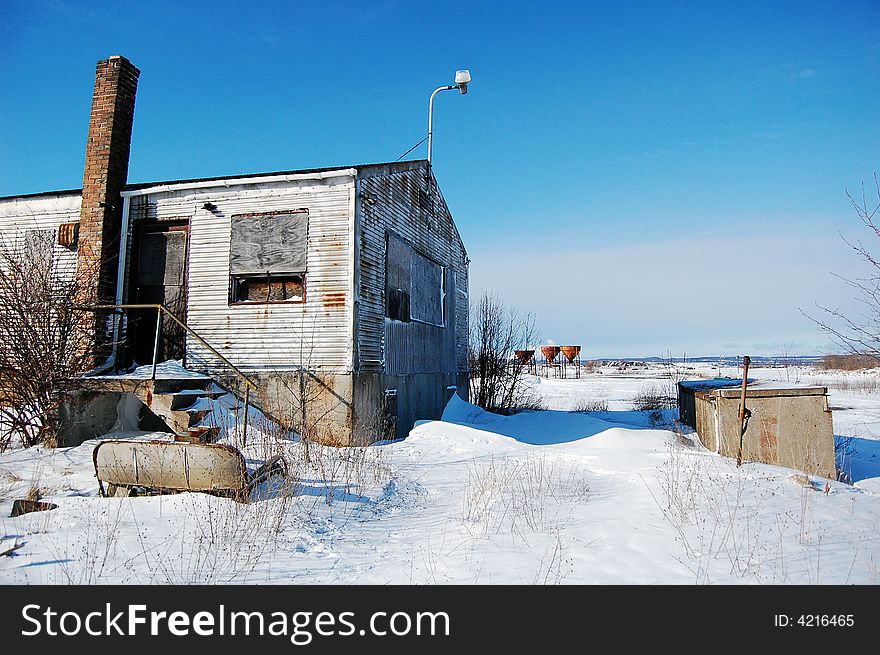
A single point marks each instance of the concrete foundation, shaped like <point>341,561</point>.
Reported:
<point>88,414</point>
<point>341,409</point>
<point>320,401</point>
<point>359,408</point>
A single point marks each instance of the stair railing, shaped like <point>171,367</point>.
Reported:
<point>248,383</point>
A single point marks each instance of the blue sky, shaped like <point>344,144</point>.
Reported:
<point>643,177</point>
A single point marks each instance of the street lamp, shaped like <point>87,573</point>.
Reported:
<point>462,79</point>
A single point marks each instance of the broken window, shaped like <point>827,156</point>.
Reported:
<point>268,288</point>
<point>267,257</point>
<point>415,285</point>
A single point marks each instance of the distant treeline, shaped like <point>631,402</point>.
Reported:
<point>850,362</point>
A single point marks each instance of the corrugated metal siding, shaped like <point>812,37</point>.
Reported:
<point>421,348</point>
<point>20,215</point>
<point>398,202</point>
<point>267,337</point>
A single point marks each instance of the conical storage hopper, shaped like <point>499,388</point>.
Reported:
<point>550,352</point>
<point>571,352</point>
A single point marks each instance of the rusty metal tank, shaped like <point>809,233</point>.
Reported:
<point>550,352</point>
<point>524,356</point>
<point>571,352</point>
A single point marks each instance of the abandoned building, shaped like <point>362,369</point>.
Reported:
<point>351,282</point>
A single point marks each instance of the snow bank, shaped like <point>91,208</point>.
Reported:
<point>533,427</point>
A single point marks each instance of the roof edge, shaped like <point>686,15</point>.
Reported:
<point>401,165</point>
<point>46,194</point>
<point>369,169</point>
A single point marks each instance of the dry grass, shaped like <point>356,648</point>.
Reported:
<point>517,496</point>
<point>848,362</point>
<point>217,540</point>
<point>865,384</point>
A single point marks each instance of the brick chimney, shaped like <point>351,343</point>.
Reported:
<point>105,177</point>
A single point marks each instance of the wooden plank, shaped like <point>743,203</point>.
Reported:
<point>162,259</point>
<point>426,298</point>
<point>273,243</point>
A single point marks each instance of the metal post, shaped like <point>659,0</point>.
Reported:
<point>156,343</point>
<point>742,409</point>
<point>247,394</point>
<point>431,119</point>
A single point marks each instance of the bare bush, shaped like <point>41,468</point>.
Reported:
<point>587,405</point>
<point>497,381</point>
<point>654,397</point>
<point>45,342</point>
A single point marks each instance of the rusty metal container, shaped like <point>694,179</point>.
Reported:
<point>550,352</point>
<point>524,356</point>
<point>571,352</point>
<point>171,466</point>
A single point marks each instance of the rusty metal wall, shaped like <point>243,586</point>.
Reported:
<point>399,199</point>
<point>419,347</point>
<point>275,336</point>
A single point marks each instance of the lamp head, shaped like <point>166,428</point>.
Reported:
<point>462,79</point>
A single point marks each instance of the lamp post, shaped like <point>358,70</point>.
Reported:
<point>462,79</point>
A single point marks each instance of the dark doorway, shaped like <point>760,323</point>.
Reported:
<point>160,278</point>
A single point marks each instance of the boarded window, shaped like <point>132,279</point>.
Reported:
<point>269,243</point>
<point>267,257</point>
<point>398,260</point>
<point>414,287</point>
<point>162,260</point>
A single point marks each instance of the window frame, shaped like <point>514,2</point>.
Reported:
<point>442,289</point>
<point>236,279</point>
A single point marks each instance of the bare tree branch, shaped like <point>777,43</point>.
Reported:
<point>45,342</point>
<point>497,378</point>
<point>859,334</point>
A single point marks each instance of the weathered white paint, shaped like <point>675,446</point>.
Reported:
<point>19,215</point>
<point>276,336</point>
<point>341,326</point>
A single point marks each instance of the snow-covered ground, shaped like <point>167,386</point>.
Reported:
<point>553,496</point>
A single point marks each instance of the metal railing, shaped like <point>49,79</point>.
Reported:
<point>248,383</point>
